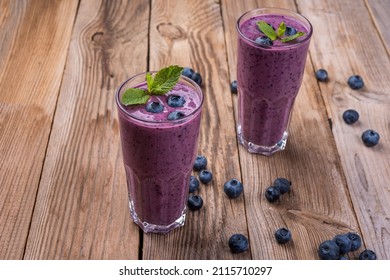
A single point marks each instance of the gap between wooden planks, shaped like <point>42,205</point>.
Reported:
<point>82,206</point>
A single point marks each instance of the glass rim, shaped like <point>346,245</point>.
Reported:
<point>122,107</point>
<point>289,45</point>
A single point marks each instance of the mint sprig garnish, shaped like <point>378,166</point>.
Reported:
<point>133,96</point>
<point>267,30</point>
<point>158,84</point>
<point>278,34</point>
<point>292,37</point>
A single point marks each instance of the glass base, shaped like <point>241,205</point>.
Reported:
<point>152,228</point>
<point>259,149</point>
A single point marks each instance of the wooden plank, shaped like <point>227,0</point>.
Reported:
<point>318,206</point>
<point>380,11</point>
<point>82,204</point>
<point>190,33</point>
<point>344,54</point>
<point>34,39</point>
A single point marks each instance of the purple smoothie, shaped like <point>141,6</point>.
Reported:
<point>158,155</point>
<point>268,80</point>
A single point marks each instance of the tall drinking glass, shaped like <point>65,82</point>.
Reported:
<point>159,153</point>
<point>269,75</point>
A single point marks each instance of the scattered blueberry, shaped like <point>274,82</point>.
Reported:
<point>350,116</point>
<point>282,184</point>
<point>356,241</point>
<point>343,242</point>
<point>272,194</point>
<point>187,71</point>
<point>197,78</point>
<point>233,188</point>
<point>290,31</point>
<point>175,115</point>
<point>367,255</point>
<point>195,202</point>
<point>343,258</point>
<point>176,100</point>
<point>355,82</point>
<point>205,176</point>
<point>194,184</point>
<point>283,235</point>
<point>370,138</point>
<point>322,75</point>
<point>154,107</point>
<point>200,163</point>
<point>264,40</point>
<point>233,87</point>
<point>329,250</point>
<point>238,243</point>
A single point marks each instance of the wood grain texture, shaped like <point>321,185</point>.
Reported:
<point>190,33</point>
<point>380,10</point>
<point>31,69</point>
<point>82,204</point>
<point>344,54</point>
<point>318,207</point>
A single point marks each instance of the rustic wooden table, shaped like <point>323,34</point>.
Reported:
<point>62,184</point>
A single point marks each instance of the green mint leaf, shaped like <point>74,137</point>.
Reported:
<point>134,96</point>
<point>267,30</point>
<point>292,37</point>
<point>165,79</point>
<point>281,29</point>
<point>149,81</point>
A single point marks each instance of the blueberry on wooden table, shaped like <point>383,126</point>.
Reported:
<point>233,188</point>
<point>272,193</point>
<point>356,241</point>
<point>322,75</point>
<point>200,163</point>
<point>194,202</point>
<point>370,138</point>
<point>194,184</point>
<point>350,116</point>
<point>355,82</point>
<point>233,86</point>
<point>283,235</point>
<point>343,242</point>
<point>329,250</point>
<point>205,176</point>
<point>367,255</point>
<point>238,243</point>
<point>282,184</point>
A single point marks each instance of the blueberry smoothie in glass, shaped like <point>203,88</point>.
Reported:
<point>159,143</point>
<point>269,74</point>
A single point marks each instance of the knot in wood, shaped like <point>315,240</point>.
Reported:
<point>171,31</point>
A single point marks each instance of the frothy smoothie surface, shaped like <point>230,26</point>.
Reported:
<point>191,103</point>
<point>251,30</point>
